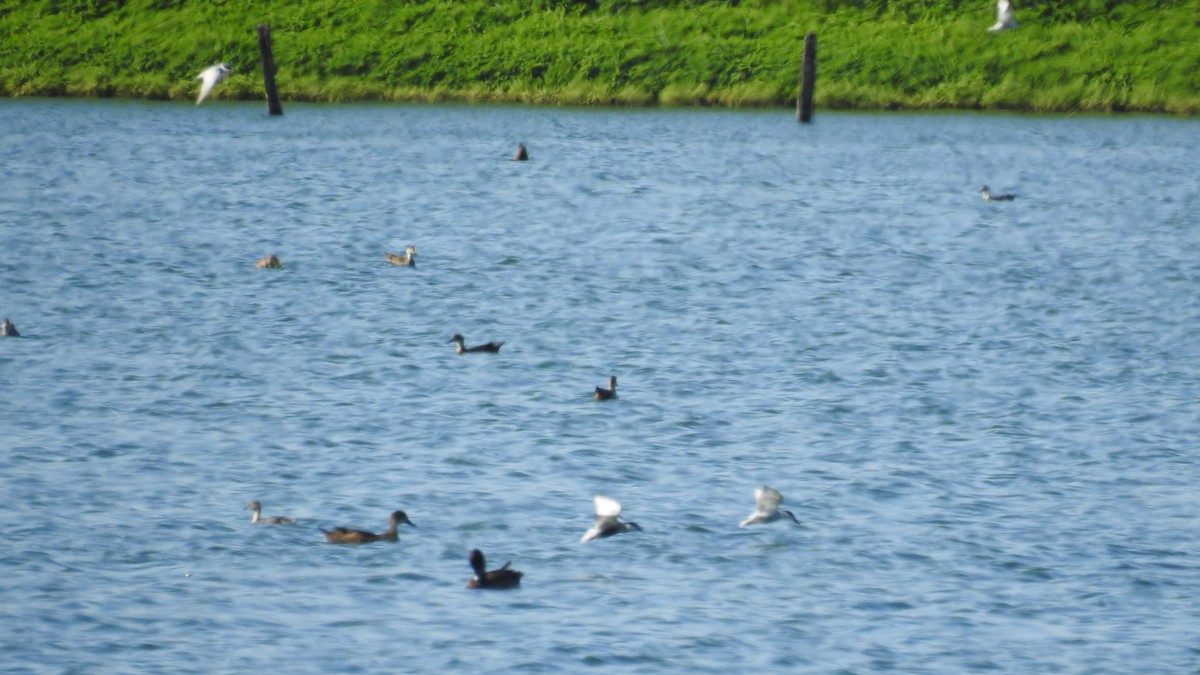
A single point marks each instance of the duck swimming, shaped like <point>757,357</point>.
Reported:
<point>257,518</point>
<point>603,394</point>
<point>607,522</point>
<point>409,258</point>
<point>521,154</point>
<point>989,197</point>
<point>458,340</point>
<point>766,508</point>
<point>269,261</point>
<point>498,579</point>
<point>343,535</point>
<point>7,329</point>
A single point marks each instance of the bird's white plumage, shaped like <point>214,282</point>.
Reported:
<point>766,507</point>
<point>1005,18</point>
<point>607,511</point>
<point>607,506</point>
<point>210,77</point>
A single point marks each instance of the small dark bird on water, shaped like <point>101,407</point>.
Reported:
<point>603,394</point>
<point>409,258</point>
<point>989,197</point>
<point>257,518</point>
<point>344,535</point>
<point>7,329</point>
<point>459,347</point>
<point>498,579</point>
<point>521,155</point>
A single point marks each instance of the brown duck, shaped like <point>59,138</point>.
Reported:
<point>409,258</point>
<point>269,261</point>
<point>499,579</point>
<point>344,535</point>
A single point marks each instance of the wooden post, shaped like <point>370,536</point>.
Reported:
<point>808,73</point>
<point>268,67</point>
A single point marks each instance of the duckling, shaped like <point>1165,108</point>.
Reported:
<point>499,578</point>
<point>409,258</point>
<point>7,329</point>
<point>607,394</point>
<point>521,155</point>
<point>273,520</point>
<point>458,340</point>
<point>607,520</point>
<point>343,535</point>
<point>989,197</point>
<point>766,508</point>
<point>269,261</point>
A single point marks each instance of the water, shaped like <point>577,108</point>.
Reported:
<point>984,415</point>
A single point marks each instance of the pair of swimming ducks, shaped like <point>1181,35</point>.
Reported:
<point>460,347</point>
<point>498,578</point>
<point>408,258</point>
<point>606,524</point>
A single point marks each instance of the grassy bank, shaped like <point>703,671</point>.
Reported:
<point>1068,55</point>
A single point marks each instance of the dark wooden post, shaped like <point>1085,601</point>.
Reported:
<point>268,67</point>
<point>808,73</point>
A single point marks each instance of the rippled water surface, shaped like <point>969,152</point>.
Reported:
<point>983,414</point>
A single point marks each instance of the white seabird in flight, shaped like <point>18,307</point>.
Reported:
<point>211,76</point>
<point>766,508</point>
<point>607,523</point>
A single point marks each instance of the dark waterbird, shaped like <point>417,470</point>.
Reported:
<point>603,394</point>
<point>344,535</point>
<point>521,154</point>
<point>459,348</point>
<point>498,579</point>
<point>989,197</point>
<point>7,329</point>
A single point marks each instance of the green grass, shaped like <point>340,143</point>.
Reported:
<point>1068,55</point>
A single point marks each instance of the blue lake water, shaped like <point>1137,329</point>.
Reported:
<point>983,414</point>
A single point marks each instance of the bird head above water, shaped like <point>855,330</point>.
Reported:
<point>401,518</point>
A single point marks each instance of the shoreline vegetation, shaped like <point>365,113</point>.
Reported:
<point>1066,56</point>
